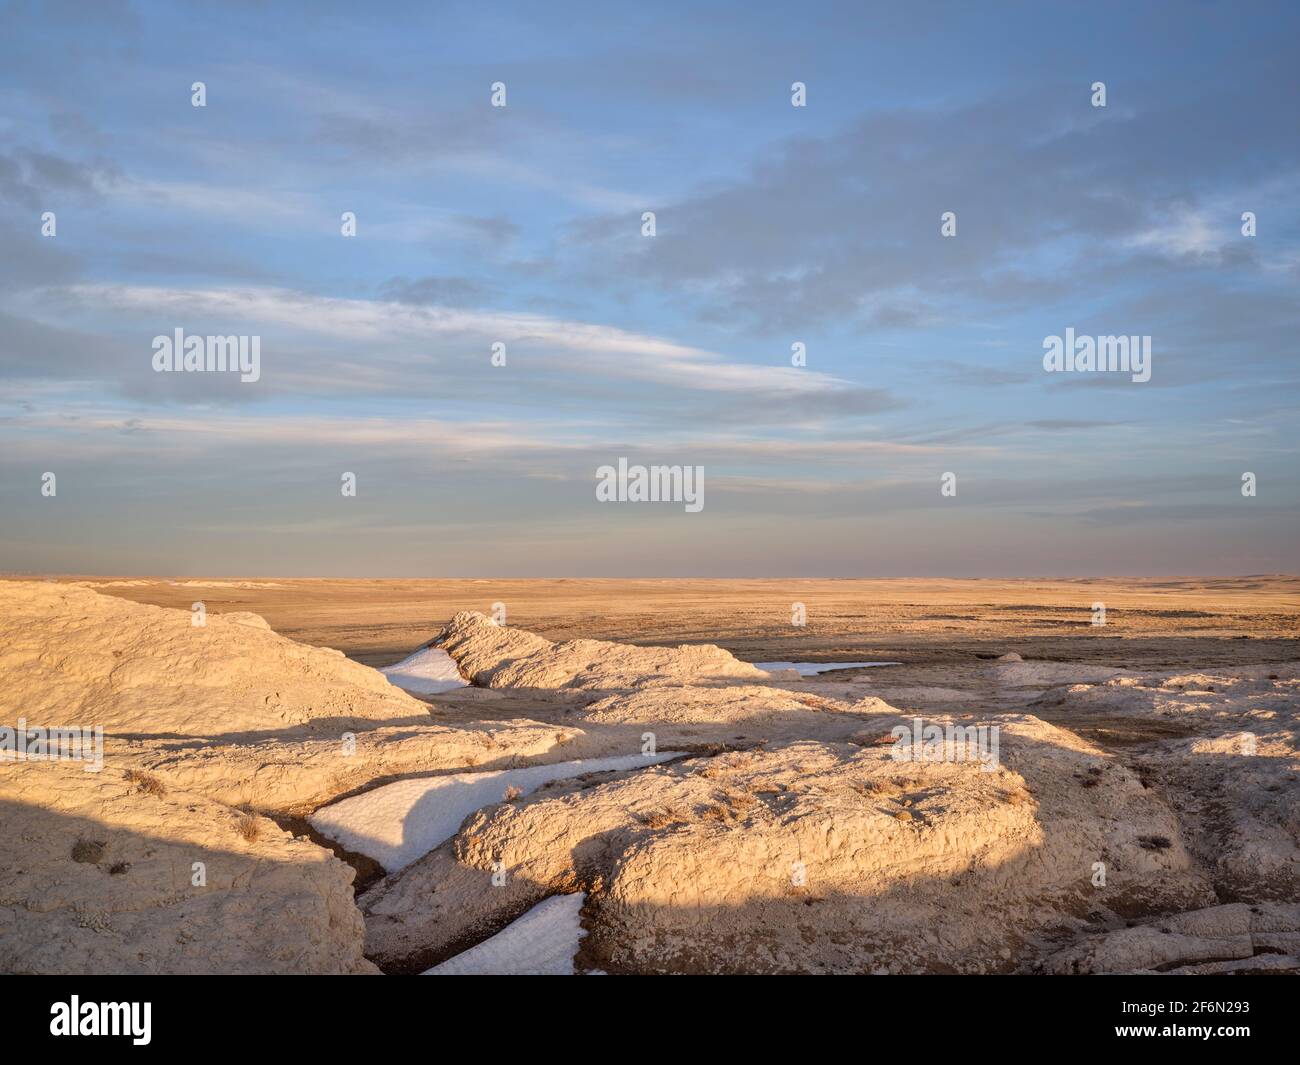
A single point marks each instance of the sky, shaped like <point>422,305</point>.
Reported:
<point>774,225</point>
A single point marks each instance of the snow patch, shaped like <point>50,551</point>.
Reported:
<point>811,669</point>
<point>403,821</point>
<point>540,943</point>
<point>427,672</point>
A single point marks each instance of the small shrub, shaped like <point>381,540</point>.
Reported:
<point>88,851</point>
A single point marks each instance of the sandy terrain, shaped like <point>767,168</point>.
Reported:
<point>943,631</point>
<point>1138,809</point>
<point>379,622</point>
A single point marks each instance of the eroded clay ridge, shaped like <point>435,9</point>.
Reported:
<point>227,709</point>
<point>807,857</point>
<point>161,860</point>
<point>113,873</point>
<point>70,654</point>
<point>494,656</point>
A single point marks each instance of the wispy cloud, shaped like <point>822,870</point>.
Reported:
<point>779,229</point>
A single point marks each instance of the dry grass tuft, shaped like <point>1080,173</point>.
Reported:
<point>146,783</point>
<point>877,788</point>
<point>250,826</point>
<point>662,819</point>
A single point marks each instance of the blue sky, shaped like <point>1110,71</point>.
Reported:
<point>775,225</point>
